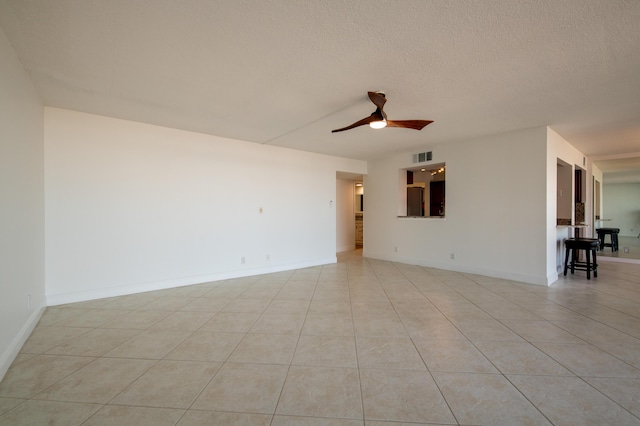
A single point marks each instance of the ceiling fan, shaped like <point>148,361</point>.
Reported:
<point>378,119</point>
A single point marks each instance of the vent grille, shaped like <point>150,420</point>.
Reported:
<point>421,157</point>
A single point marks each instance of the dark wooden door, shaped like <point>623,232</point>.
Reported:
<point>436,199</point>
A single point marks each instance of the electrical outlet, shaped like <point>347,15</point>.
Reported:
<point>625,249</point>
<point>395,249</point>
<point>452,256</point>
<point>268,257</point>
<point>242,260</point>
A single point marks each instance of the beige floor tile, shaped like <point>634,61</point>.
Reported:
<point>571,401</point>
<point>521,358</point>
<point>487,330</point>
<point>505,310</point>
<point>371,317</point>
<point>244,388</point>
<point>30,377</point>
<point>231,322</point>
<point>94,343</point>
<point>628,351</point>
<point>196,290</point>
<point>207,304</point>
<point>258,292</point>
<point>22,357</point>
<point>97,382</point>
<point>278,324</point>
<point>183,321</point>
<point>247,305</point>
<point>321,392</point>
<point>403,396</point>
<point>379,325</point>
<point>388,353</point>
<point>328,306</point>
<point>331,292</point>
<point>206,346</point>
<point>625,392</point>
<point>453,356</point>
<point>55,314</point>
<point>45,338</point>
<point>586,360</point>
<point>132,301</point>
<point>168,303</point>
<point>328,325</point>
<point>327,351</point>
<point>137,320</point>
<point>461,311</point>
<point>285,306</point>
<point>201,418</point>
<point>118,415</point>
<point>48,413</point>
<point>265,349</point>
<point>150,344</point>
<point>7,404</point>
<point>313,421</point>
<point>432,329</point>
<point>92,318</point>
<point>487,399</point>
<point>421,309</point>
<point>225,292</point>
<point>541,331</point>
<point>170,384</point>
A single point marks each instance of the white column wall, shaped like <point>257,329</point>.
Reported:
<point>133,207</point>
<point>558,147</point>
<point>22,293</point>
<point>495,209</point>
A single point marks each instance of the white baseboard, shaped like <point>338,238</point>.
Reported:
<point>101,293</point>
<point>450,266</point>
<point>14,348</point>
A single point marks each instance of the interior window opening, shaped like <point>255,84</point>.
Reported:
<point>425,191</point>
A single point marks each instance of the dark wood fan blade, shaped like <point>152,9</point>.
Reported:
<point>376,116</point>
<point>378,99</point>
<point>409,124</point>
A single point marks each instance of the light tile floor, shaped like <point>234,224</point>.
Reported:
<point>358,342</point>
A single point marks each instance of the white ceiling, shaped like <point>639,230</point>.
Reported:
<point>286,72</point>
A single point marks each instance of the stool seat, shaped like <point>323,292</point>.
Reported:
<point>613,238</point>
<point>572,249</point>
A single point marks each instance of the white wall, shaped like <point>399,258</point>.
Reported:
<point>22,206</point>
<point>133,207</point>
<point>621,204</point>
<point>495,209</point>
<point>345,215</point>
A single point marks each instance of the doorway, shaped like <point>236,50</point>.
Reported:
<point>350,202</point>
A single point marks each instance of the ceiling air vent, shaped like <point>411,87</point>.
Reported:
<point>421,157</point>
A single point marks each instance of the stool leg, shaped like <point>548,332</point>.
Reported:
<point>595,264</point>
<point>566,260</point>
<point>574,259</point>
<point>615,241</point>
<point>588,254</point>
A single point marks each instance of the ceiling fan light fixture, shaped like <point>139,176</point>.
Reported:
<point>378,124</point>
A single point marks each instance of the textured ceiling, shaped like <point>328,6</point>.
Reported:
<point>285,72</point>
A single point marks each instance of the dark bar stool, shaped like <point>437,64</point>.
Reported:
<point>573,247</point>
<point>613,237</point>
